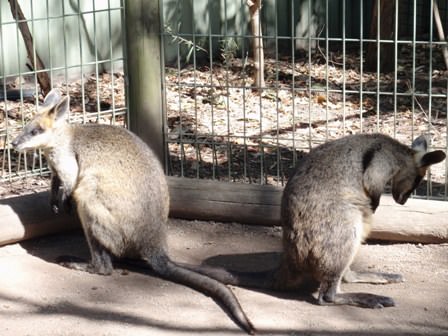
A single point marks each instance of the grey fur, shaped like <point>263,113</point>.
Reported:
<point>327,207</point>
<point>121,195</point>
<point>326,213</point>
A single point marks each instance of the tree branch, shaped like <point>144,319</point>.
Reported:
<point>36,62</point>
<point>439,26</point>
<point>257,44</point>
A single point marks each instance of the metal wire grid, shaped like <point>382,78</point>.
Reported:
<point>15,166</point>
<point>265,156</point>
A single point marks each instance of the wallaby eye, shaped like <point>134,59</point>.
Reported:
<point>37,130</point>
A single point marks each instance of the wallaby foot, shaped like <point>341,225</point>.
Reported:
<point>67,204</point>
<point>371,277</point>
<point>101,266</point>
<point>364,300</point>
<point>100,259</point>
<point>328,293</point>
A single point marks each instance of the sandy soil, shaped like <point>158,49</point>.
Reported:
<point>38,297</point>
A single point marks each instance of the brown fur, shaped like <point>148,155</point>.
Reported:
<point>327,209</point>
<point>326,214</point>
<point>121,196</point>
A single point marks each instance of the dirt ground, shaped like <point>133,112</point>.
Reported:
<point>38,297</point>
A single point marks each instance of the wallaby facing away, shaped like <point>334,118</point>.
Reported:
<point>326,213</point>
<point>121,195</point>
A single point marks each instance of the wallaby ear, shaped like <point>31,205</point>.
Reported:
<point>431,158</point>
<point>52,98</point>
<point>60,111</point>
<point>420,144</point>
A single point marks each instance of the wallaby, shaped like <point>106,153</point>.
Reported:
<point>120,192</point>
<point>326,212</point>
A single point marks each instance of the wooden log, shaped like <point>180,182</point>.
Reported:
<point>30,216</point>
<point>418,221</point>
<point>225,202</point>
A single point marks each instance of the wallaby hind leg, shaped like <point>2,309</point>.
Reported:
<point>100,263</point>
<point>100,258</point>
<point>328,293</point>
<point>332,269</point>
<point>371,277</point>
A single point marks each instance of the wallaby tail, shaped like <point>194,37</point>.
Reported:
<point>204,284</point>
<point>260,280</point>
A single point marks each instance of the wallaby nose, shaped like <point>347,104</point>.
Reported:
<point>15,142</point>
<point>401,198</point>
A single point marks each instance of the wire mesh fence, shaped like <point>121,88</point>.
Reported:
<point>79,46</point>
<point>331,68</point>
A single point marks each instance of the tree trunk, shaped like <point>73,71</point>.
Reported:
<point>440,32</point>
<point>36,62</point>
<point>257,44</point>
<point>144,70</point>
<point>387,24</point>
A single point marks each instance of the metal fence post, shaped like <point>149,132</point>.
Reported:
<point>144,69</point>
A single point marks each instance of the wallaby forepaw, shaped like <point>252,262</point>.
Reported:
<point>54,204</point>
<point>67,204</point>
<point>55,209</point>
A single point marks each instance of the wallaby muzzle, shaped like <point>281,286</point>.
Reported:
<point>401,198</point>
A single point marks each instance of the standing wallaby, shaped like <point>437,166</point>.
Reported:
<point>326,213</point>
<point>120,192</point>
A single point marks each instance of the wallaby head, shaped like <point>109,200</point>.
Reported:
<point>40,131</point>
<point>409,176</point>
